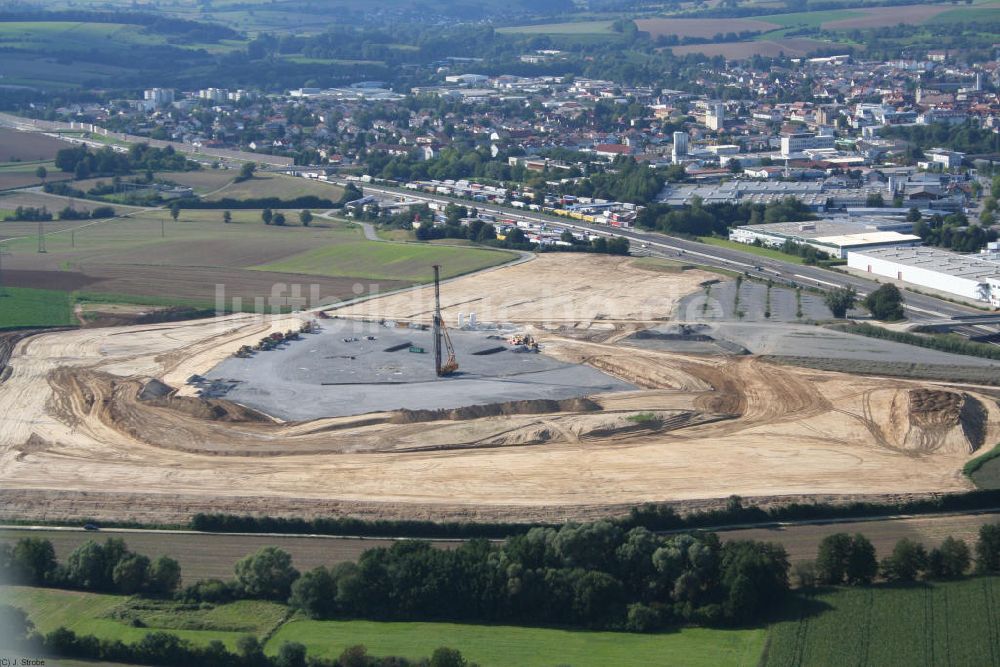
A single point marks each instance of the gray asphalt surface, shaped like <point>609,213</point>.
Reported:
<point>322,375</point>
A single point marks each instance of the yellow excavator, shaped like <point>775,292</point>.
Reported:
<point>441,333</point>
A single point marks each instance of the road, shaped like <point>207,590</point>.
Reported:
<point>204,555</point>
<point>920,307</point>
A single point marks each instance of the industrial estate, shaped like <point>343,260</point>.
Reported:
<point>452,334</point>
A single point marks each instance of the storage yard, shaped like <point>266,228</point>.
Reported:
<point>80,413</point>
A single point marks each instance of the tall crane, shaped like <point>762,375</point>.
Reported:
<point>441,333</point>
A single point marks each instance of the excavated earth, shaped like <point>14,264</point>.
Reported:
<point>100,423</point>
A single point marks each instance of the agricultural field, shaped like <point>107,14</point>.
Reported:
<point>110,616</point>
<point>275,185</point>
<point>18,146</point>
<point>773,29</point>
<point>923,624</point>
<point>388,261</point>
<point>572,28</point>
<point>789,46</point>
<point>25,307</point>
<point>499,646</point>
<point>22,153</point>
<point>136,258</point>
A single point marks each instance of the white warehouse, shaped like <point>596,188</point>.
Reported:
<point>962,275</point>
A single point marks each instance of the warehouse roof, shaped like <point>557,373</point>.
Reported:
<point>970,267</point>
<point>867,238</point>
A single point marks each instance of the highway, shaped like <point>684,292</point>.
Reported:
<point>920,307</point>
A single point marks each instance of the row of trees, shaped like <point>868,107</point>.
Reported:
<point>108,567</point>
<point>851,559</point>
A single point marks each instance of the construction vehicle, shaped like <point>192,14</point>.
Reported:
<point>525,341</point>
<point>441,333</point>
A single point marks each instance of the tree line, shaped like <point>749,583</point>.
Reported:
<point>84,163</point>
<point>653,516</point>
<point>852,560</point>
<point>106,568</point>
<point>596,575</point>
<point>700,219</point>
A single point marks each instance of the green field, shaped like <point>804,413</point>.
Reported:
<point>501,646</point>
<point>276,185</point>
<point>751,249</point>
<point>984,470</point>
<point>110,616</point>
<point>388,261</point>
<point>928,624</point>
<point>25,307</point>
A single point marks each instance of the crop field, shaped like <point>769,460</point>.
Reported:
<point>577,28</point>
<point>772,28</point>
<point>925,624</point>
<point>139,256</point>
<point>383,261</point>
<point>789,46</point>
<point>25,307</point>
<point>110,616</point>
<point>499,646</point>
<point>705,28</point>
<point>27,146</point>
<point>275,185</point>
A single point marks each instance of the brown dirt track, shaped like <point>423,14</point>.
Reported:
<point>76,441</point>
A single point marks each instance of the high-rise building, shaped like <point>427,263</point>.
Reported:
<point>715,119</point>
<point>680,148</point>
<point>158,96</point>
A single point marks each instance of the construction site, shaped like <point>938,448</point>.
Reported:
<point>545,407</point>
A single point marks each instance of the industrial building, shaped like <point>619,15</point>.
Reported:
<point>793,144</point>
<point>834,237</point>
<point>966,276</point>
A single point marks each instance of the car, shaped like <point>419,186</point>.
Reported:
<point>91,526</point>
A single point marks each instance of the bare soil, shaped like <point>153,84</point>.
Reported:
<point>76,440</point>
<point>27,146</point>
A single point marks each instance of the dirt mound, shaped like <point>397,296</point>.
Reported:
<point>945,419</point>
<point>533,407</point>
<point>155,389</point>
<point>213,409</point>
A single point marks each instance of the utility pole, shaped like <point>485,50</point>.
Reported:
<point>163,230</point>
<point>41,237</point>
<point>437,321</point>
